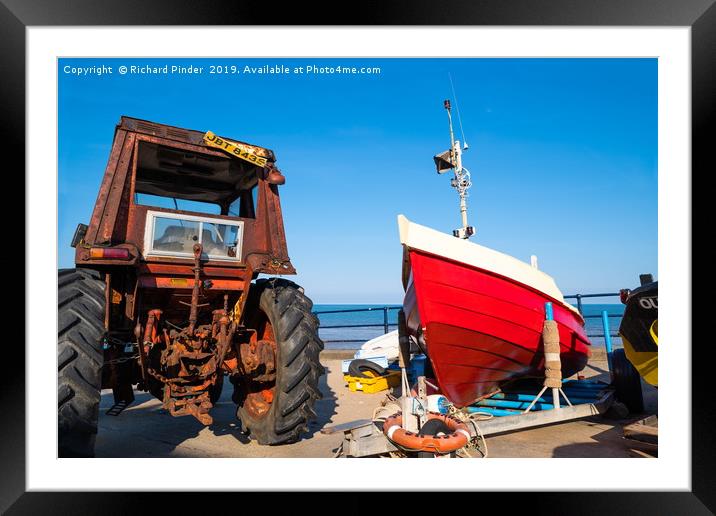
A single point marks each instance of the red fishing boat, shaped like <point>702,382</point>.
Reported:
<point>478,313</point>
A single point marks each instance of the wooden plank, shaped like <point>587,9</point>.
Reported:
<point>651,449</point>
<point>636,428</point>
<point>641,432</point>
<point>643,454</point>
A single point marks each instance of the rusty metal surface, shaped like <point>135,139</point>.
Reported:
<point>180,134</point>
<point>104,231</point>
<point>188,361</point>
<point>257,362</point>
<point>104,189</point>
<point>174,282</point>
<point>179,323</point>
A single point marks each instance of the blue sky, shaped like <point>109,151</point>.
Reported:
<point>563,156</point>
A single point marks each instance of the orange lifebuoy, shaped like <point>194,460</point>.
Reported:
<point>394,431</point>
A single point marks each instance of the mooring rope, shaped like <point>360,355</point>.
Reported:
<point>472,419</point>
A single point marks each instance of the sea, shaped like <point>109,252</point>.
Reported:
<point>350,326</point>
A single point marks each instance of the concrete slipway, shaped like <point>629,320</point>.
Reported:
<point>146,430</point>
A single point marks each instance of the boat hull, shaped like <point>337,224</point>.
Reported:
<point>481,329</point>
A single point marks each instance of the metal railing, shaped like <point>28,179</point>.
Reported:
<point>607,335</point>
<point>579,298</point>
<point>386,324</point>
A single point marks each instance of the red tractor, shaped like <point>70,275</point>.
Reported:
<point>165,295</point>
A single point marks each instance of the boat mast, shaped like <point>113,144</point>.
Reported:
<point>461,182</point>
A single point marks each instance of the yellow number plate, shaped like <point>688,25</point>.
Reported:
<point>234,149</point>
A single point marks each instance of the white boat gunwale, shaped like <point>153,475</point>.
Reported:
<point>423,238</point>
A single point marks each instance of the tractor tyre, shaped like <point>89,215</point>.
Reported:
<point>627,382</point>
<point>80,307</point>
<point>284,309</point>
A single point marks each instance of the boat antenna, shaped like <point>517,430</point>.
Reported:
<point>465,146</point>
<point>461,182</point>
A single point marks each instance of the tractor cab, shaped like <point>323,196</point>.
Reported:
<point>167,189</point>
<point>194,198</point>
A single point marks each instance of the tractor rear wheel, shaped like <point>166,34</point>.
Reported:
<point>80,307</point>
<point>279,413</point>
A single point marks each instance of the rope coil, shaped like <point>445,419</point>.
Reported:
<point>552,362</point>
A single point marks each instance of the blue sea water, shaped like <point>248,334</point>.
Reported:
<point>595,328</point>
<point>365,323</point>
<point>359,323</point>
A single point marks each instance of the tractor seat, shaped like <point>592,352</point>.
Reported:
<point>176,238</point>
<point>175,234</point>
<point>180,239</point>
<point>210,245</point>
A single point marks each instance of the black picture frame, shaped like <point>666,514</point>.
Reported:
<point>700,15</point>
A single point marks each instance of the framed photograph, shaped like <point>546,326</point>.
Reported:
<point>286,250</point>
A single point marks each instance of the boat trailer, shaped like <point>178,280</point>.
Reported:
<point>518,407</point>
<point>365,437</point>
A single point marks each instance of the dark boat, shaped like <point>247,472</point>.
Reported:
<point>639,328</point>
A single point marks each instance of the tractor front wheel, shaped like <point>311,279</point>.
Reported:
<point>80,357</point>
<point>279,412</point>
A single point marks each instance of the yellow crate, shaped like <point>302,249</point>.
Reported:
<point>370,385</point>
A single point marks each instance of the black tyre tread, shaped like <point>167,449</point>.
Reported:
<point>627,382</point>
<point>298,348</point>
<point>80,359</point>
<point>358,366</point>
<point>296,377</point>
<point>296,331</point>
